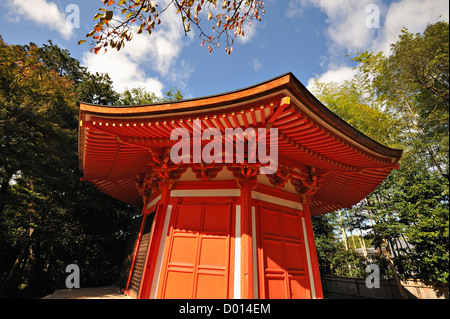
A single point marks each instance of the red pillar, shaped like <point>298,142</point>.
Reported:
<point>138,242</point>
<point>155,240</point>
<point>312,247</point>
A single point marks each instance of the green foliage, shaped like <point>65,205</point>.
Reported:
<point>346,263</point>
<point>334,258</point>
<point>326,243</point>
<point>402,101</point>
<point>414,204</point>
<point>98,89</point>
<point>55,58</point>
<point>139,96</point>
<point>413,82</point>
<point>351,103</point>
<point>48,217</point>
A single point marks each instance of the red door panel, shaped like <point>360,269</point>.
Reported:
<point>198,251</point>
<point>299,287</point>
<point>175,281</point>
<point>184,249</point>
<point>282,256</point>
<point>210,286</point>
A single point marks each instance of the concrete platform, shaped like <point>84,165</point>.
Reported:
<point>111,292</point>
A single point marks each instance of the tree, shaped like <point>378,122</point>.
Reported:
<point>334,258</point>
<point>225,19</point>
<point>91,88</point>
<point>48,217</point>
<point>412,206</point>
<point>352,102</point>
<point>97,88</point>
<point>36,116</point>
<point>414,82</point>
<point>401,100</point>
<point>53,57</point>
<point>139,96</point>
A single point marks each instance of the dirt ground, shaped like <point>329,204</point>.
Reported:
<point>111,292</point>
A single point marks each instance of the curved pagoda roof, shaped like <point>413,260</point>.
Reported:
<point>117,142</point>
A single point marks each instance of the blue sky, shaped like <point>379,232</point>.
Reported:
<point>310,38</point>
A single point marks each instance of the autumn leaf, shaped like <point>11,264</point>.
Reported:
<point>231,15</point>
<point>98,15</point>
<point>108,15</point>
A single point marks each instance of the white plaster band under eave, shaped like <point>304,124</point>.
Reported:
<point>234,193</point>
<point>205,193</point>
<point>276,200</point>
<point>153,202</point>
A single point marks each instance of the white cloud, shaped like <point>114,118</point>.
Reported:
<point>165,43</point>
<point>249,32</point>
<point>256,64</point>
<point>123,71</point>
<point>181,76</point>
<point>46,14</point>
<point>346,19</point>
<point>334,74</point>
<point>156,53</point>
<point>295,9</point>
<point>348,33</point>
<point>412,14</point>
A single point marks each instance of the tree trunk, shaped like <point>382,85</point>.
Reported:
<point>9,287</point>
<point>389,258</point>
<point>4,191</point>
<point>35,286</point>
<point>344,236</point>
<point>351,231</point>
<point>363,244</point>
<point>397,279</point>
<point>421,133</point>
<point>353,240</point>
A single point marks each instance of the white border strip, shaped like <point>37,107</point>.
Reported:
<point>255,256</point>
<point>308,260</point>
<point>153,202</point>
<point>162,245</point>
<point>277,200</point>
<point>237,255</point>
<point>205,193</point>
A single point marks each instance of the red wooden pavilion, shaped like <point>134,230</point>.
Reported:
<point>223,230</point>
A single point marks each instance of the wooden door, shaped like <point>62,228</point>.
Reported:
<point>197,257</point>
<point>281,257</point>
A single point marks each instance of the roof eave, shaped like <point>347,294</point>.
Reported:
<point>286,82</point>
